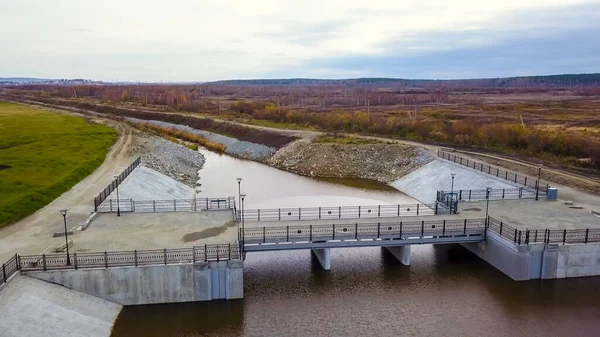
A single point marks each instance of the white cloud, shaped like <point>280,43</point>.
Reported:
<point>205,40</point>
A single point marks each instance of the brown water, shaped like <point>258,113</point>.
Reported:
<point>446,291</point>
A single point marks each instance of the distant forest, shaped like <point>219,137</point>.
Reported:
<point>507,82</point>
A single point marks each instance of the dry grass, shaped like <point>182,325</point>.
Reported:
<point>174,135</point>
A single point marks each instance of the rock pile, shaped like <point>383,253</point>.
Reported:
<point>381,162</point>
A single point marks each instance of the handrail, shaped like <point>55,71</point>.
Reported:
<point>338,212</point>
<point>170,205</point>
<point>494,171</point>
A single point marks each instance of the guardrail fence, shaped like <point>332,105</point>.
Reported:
<point>338,212</point>
<point>111,187</point>
<point>494,171</point>
<point>133,258</point>
<point>9,268</point>
<point>559,236</point>
<point>175,205</point>
<point>495,194</point>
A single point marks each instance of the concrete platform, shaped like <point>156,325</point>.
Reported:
<point>32,308</point>
<point>532,214</point>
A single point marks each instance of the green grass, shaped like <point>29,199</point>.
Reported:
<point>42,155</point>
<point>346,140</point>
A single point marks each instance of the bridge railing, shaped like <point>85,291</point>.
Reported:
<point>361,231</point>
<point>337,212</point>
<point>133,258</point>
<point>173,205</point>
<point>495,171</point>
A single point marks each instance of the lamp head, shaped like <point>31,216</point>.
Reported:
<point>453,174</point>
<point>239,180</point>
<point>116,177</point>
<point>63,212</point>
<point>243,195</point>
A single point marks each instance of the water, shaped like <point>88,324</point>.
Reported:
<point>446,291</point>
<point>267,187</point>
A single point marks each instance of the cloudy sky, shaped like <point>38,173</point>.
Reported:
<point>199,40</point>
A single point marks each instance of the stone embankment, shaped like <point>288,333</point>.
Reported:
<point>380,162</point>
<point>170,159</point>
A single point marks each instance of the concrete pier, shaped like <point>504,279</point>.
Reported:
<point>402,253</point>
<point>324,257</point>
<point>154,284</point>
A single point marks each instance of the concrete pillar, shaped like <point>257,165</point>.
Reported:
<point>324,257</point>
<point>402,253</point>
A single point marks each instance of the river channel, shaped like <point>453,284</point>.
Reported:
<point>446,291</point>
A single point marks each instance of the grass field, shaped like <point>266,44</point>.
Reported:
<point>44,154</point>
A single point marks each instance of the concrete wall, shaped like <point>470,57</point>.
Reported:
<point>538,261</point>
<point>33,308</point>
<point>155,284</point>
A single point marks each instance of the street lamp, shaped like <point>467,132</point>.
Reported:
<point>118,203</point>
<point>64,214</point>
<point>452,192</point>
<point>239,180</point>
<point>487,210</point>
<point>537,188</point>
<point>243,196</point>
<point>487,207</point>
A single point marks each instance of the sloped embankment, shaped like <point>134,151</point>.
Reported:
<point>380,162</point>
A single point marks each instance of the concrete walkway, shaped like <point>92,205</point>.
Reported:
<point>34,308</point>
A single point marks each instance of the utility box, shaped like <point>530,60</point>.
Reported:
<point>552,193</point>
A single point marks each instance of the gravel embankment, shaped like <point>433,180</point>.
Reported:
<point>381,162</point>
<point>233,146</point>
<point>168,158</point>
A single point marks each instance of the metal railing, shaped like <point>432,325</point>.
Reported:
<point>559,236</point>
<point>494,171</point>
<point>362,231</point>
<point>174,205</point>
<point>495,194</point>
<point>9,268</point>
<point>337,212</point>
<point>111,187</point>
<point>133,258</point>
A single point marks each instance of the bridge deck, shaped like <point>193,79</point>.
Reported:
<point>302,236</point>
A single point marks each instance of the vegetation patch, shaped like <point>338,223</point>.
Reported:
<point>47,154</point>
<point>174,135</point>
<point>332,138</point>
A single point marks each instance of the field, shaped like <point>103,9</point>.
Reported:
<point>547,119</point>
<point>42,155</point>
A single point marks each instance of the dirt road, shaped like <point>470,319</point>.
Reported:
<point>34,233</point>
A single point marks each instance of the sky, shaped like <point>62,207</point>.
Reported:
<point>198,40</point>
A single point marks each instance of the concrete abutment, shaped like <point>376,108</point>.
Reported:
<point>154,284</point>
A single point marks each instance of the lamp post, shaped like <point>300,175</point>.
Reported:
<point>487,210</point>
<point>243,196</point>
<point>452,192</point>
<point>537,187</point>
<point>487,207</point>
<point>239,180</point>
<point>64,214</point>
<point>118,203</point>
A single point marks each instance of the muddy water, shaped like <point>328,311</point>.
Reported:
<point>267,187</point>
<point>445,292</point>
